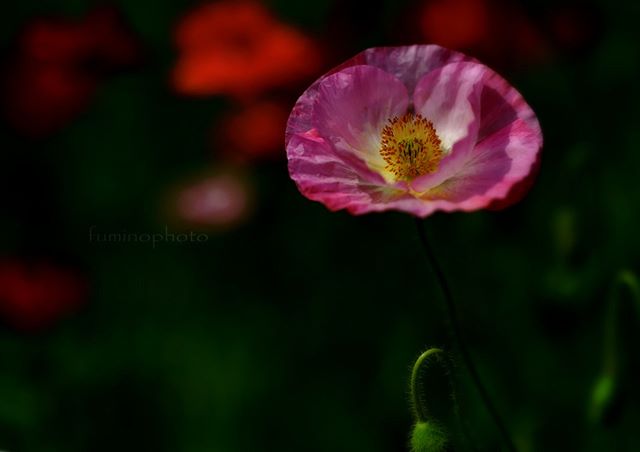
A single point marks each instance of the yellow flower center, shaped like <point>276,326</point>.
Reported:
<point>410,147</point>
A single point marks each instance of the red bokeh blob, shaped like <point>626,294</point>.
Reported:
<point>34,295</point>
<point>255,131</point>
<point>456,24</point>
<point>57,66</point>
<point>496,31</point>
<point>240,49</point>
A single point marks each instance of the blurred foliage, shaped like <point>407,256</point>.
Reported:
<point>295,330</point>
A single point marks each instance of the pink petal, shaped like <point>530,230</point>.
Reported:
<point>449,97</point>
<point>498,164</point>
<point>407,63</point>
<point>501,143</point>
<point>322,175</point>
<point>352,108</point>
<point>333,161</point>
<point>518,190</point>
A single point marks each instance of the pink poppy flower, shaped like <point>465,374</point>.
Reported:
<point>415,129</point>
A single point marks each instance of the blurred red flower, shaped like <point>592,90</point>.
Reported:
<point>34,295</point>
<point>256,131</point>
<point>456,24</point>
<point>494,30</point>
<point>239,48</point>
<point>57,66</point>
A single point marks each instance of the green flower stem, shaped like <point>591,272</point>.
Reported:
<point>457,334</point>
<point>419,408</point>
<point>606,386</point>
<point>626,280</point>
<point>428,434</point>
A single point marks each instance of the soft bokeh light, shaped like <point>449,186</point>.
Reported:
<point>219,200</point>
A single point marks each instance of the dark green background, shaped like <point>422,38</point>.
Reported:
<point>296,330</point>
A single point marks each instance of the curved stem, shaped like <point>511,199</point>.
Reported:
<point>419,407</point>
<point>605,390</point>
<point>457,334</point>
<point>625,280</point>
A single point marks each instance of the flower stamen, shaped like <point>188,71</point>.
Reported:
<point>410,146</point>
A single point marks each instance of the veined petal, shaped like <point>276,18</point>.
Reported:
<point>407,63</point>
<point>498,164</point>
<point>333,137</point>
<point>323,175</point>
<point>450,98</point>
<point>501,143</point>
<point>353,106</point>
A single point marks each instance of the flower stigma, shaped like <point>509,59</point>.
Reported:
<point>410,147</point>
